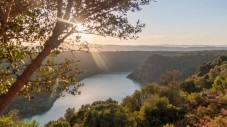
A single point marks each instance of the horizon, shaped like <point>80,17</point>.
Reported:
<point>176,22</point>
<point>166,45</point>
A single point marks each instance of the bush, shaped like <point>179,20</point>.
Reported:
<point>101,114</point>
<point>190,87</point>
<point>12,120</point>
<point>160,112</point>
<point>58,124</point>
<point>220,84</point>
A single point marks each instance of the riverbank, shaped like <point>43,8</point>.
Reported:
<point>120,61</point>
<point>113,85</point>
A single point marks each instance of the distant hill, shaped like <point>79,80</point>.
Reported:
<point>90,64</point>
<point>156,65</point>
<point>160,48</point>
<point>97,62</point>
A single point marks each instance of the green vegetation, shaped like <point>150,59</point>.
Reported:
<point>101,114</point>
<point>58,124</point>
<point>156,65</point>
<point>38,104</point>
<point>120,61</point>
<point>31,34</point>
<point>28,70</point>
<point>12,120</point>
<point>199,100</point>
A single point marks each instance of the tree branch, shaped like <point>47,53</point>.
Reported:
<point>60,3</point>
<point>6,17</point>
<point>68,9</point>
<point>113,4</point>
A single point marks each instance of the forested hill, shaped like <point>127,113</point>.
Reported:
<point>90,64</point>
<point>96,62</point>
<point>198,101</point>
<point>186,63</point>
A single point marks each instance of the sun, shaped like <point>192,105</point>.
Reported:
<point>81,32</point>
<point>79,27</point>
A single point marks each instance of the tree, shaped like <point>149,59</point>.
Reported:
<point>101,114</point>
<point>57,124</point>
<point>12,120</point>
<point>69,113</point>
<point>189,86</point>
<point>170,78</point>
<point>51,23</point>
<point>220,84</point>
<point>159,112</point>
<point>134,102</point>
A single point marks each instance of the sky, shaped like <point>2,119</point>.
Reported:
<point>177,22</point>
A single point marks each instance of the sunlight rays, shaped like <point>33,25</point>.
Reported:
<point>98,57</point>
<point>74,43</point>
<point>100,60</point>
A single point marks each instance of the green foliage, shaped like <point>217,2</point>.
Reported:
<point>169,125</point>
<point>69,113</point>
<point>194,99</point>
<point>187,104</point>
<point>156,105</point>
<point>204,69</point>
<point>157,64</point>
<point>206,75</point>
<point>201,82</point>
<point>191,104</point>
<point>24,24</point>
<point>159,112</point>
<point>134,102</point>
<point>58,124</point>
<point>101,114</point>
<point>12,120</point>
<point>220,84</point>
<point>170,78</point>
<point>15,58</point>
<point>190,87</point>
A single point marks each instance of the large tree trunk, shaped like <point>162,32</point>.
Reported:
<point>52,43</point>
<point>24,77</point>
<point>5,17</point>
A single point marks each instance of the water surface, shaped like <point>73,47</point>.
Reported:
<point>99,87</point>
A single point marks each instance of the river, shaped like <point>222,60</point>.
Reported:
<point>98,87</point>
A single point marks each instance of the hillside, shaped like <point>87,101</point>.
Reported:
<point>90,64</point>
<point>98,62</point>
<point>155,65</point>
<point>166,105</point>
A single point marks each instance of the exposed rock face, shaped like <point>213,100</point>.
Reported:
<point>156,65</point>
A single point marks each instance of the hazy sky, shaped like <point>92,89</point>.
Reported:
<point>178,22</point>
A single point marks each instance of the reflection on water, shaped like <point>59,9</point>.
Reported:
<point>98,87</point>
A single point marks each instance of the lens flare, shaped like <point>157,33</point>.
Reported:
<point>79,27</point>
